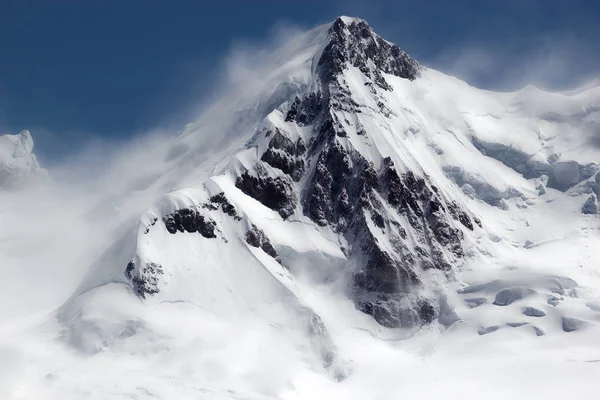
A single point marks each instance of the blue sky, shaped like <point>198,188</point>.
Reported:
<point>75,71</point>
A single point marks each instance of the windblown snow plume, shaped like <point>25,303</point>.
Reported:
<point>353,225</point>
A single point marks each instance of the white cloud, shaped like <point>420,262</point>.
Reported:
<point>553,63</point>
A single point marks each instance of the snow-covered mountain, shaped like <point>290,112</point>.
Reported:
<point>18,165</point>
<point>353,221</point>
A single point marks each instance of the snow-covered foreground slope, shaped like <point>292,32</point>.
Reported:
<point>354,226</point>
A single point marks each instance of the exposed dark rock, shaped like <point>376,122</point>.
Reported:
<point>423,209</point>
<point>390,312</point>
<point>533,312</point>
<point>285,155</point>
<point>281,142</point>
<point>445,234</point>
<point>458,214</point>
<point>386,278</point>
<point>553,301</point>
<point>426,312</point>
<point>340,186</point>
<point>275,193</point>
<point>590,206</point>
<point>488,329</point>
<point>510,295</point>
<point>210,206</point>
<point>300,147</point>
<point>564,175</point>
<point>357,45</point>
<point>396,191</point>
<point>257,238</point>
<point>145,280</point>
<point>383,274</point>
<point>129,270</point>
<point>226,206</point>
<point>538,331</point>
<point>570,324</point>
<point>383,283</point>
<point>189,220</point>
<point>152,223</point>
<point>305,111</point>
<point>378,219</point>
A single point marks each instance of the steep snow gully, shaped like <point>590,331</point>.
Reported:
<point>356,227</point>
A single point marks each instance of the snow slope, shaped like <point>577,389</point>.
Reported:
<point>353,225</point>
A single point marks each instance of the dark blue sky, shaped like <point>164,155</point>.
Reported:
<point>71,71</point>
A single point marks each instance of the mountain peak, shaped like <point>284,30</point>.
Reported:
<point>353,43</point>
<point>17,162</point>
<point>344,19</point>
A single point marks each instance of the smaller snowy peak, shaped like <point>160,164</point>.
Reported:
<point>350,20</point>
<point>352,42</point>
<point>14,146</point>
<point>18,164</point>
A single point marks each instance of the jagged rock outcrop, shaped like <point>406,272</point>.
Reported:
<point>275,193</point>
<point>285,155</point>
<point>145,280</point>
<point>340,185</point>
<point>190,220</point>
<point>257,238</point>
<point>345,189</point>
<point>219,199</point>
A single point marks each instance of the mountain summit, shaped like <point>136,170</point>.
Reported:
<point>352,42</point>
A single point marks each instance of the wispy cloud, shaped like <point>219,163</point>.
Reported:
<point>552,63</point>
<point>100,185</point>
